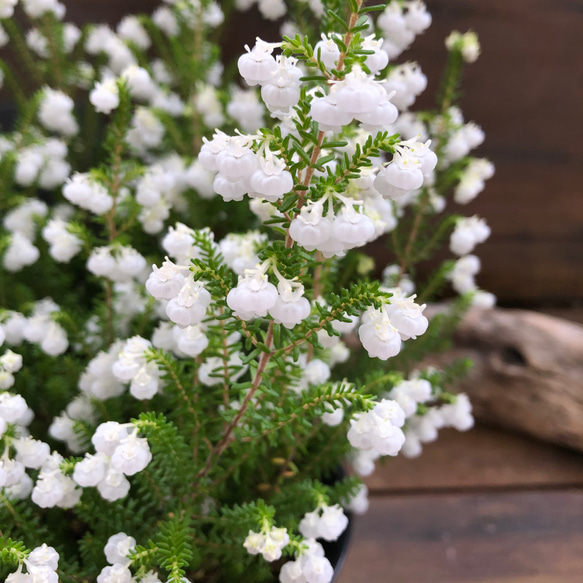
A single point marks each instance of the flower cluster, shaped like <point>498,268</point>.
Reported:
<point>119,453</point>
<point>41,565</point>
<point>327,522</point>
<point>268,542</point>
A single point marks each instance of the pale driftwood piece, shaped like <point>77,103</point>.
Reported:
<point>528,372</point>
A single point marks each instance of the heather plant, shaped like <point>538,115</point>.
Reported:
<point>195,337</point>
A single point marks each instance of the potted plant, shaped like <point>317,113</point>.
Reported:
<point>194,339</point>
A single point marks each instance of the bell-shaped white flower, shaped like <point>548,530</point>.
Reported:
<point>271,180</point>
<point>379,428</point>
<point>132,455</point>
<point>254,295</point>
<point>378,336</point>
<point>189,307</point>
<point>258,65</point>
<point>291,307</point>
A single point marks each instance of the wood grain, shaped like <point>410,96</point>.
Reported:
<point>496,538</point>
<point>481,459</point>
<point>527,374</point>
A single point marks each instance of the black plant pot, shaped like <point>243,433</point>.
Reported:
<point>336,551</point>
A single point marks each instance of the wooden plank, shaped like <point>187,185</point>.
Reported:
<point>496,538</point>
<point>482,458</point>
<point>532,203</point>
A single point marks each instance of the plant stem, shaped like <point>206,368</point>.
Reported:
<point>109,305</point>
<point>226,439</point>
<point>22,49</point>
<point>50,30</point>
<point>406,257</point>
<point>348,36</point>
<point>224,336</point>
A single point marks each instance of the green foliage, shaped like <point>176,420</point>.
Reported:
<point>175,550</point>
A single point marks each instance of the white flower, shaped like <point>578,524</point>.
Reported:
<point>327,522</point>
<point>11,472</point>
<point>7,8</point>
<point>108,436</point>
<point>20,253</point>
<point>12,407</point>
<point>467,44</point>
<point>257,66</point>
<point>246,109</point>
<point>310,229</point>
<point>403,174</point>
<point>269,543</point>
<point>333,417</point>
<point>55,341</point>
<point>291,307</point>
<point>63,244</point>
<point>130,29</point>
<point>189,306</point>
<point>105,96</point>
<point>254,296</point>
<point>459,414</point>
<point>36,8</point>
<point>359,503</point>
<point>462,275</point>
<point>44,556</point>
<point>240,251</point>
<point>139,81</point>
<point>91,470</point>
<point>56,112</point>
<point>191,340</point>
<point>37,43</point>
<point>272,9</point>
<point>114,486</point>
<point>132,455</point>
<point>467,234</point>
<point>165,282</point>
<point>378,335</point>
<point>165,20</point>
<point>147,131</point>
<point>379,428</point>
<point>115,574</point>
<point>271,180</point>
<point>87,193</point>
<point>31,452</point>
<point>406,316</point>
<point>118,548</point>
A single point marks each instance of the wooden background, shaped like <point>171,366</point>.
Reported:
<point>526,91</point>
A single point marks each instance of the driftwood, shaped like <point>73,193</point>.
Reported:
<point>528,373</point>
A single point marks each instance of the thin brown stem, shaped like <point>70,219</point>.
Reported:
<point>228,433</point>
<point>196,56</point>
<point>109,306</point>
<point>306,180</point>
<point>405,258</point>
<point>224,336</point>
<point>50,31</point>
<point>348,36</point>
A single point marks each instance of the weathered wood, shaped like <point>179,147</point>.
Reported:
<point>481,459</point>
<point>528,372</point>
<point>495,538</point>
